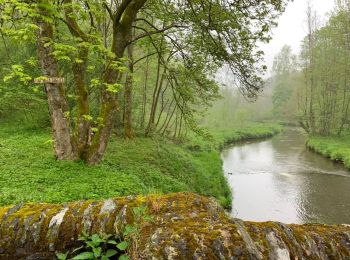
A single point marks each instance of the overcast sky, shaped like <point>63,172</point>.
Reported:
<point>292,27</point>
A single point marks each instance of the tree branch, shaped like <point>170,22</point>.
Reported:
<point>121,9</point>
<point>155,32</point>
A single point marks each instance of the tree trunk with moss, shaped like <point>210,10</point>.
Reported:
<point>122,33</point>
<point>58,107</point>
<point>185,226</point>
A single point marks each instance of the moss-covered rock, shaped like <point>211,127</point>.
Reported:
<point>185,226</point>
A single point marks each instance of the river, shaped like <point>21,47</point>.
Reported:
<point>281,180</point>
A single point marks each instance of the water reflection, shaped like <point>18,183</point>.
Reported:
<point>280,180</point>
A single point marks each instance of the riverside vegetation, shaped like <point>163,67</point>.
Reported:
<point>312,87</point>
<point>29,173</point>
<point>145,71</point>
<point>337,148</point>
<point>101,99</point>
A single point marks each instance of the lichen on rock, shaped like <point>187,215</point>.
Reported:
<point>185,226</point>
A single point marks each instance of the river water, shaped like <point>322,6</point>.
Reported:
<point>281,180</point>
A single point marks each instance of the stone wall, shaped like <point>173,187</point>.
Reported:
<point>185,226</point>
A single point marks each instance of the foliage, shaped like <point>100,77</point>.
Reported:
<point>325,95</point>
<point>145,166</point>
<point>95,46</point>
<point>101,247</point>
<point>139,166</point>
<point>285,82</point>
<point>336,147</point>
<point>234,111</point>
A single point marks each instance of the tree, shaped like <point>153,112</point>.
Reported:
<point>284,84</point>
<point>79,35</point>
<point>325,97</point>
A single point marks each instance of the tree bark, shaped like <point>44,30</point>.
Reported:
<point>184,226</point>
<point>82,128</point>
<point>122,33</point>
<point>83,109</point>
<point>61,134</point>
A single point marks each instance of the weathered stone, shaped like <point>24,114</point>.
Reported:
<point>250,245</point>
<point>296,248</point>
<point>185,226</point>
<point>54,227</point>
<point>106,213</point>
<point>87,219</point>
<point>278,249</point>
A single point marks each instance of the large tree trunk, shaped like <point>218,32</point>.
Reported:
<point>61,134</point>
<point>185,226</point>
<point>82,128</point>
<point>122,33</point>
<point>83,110</point>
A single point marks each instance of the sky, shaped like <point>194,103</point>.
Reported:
<point>292,27</point>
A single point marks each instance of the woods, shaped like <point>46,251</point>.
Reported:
<point>133,65</point>
<point>115,114</point>
<point>326,66</point>
<point>315,82</point>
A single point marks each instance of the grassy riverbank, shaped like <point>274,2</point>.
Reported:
<point>29,173</point>
<point>335,148</point>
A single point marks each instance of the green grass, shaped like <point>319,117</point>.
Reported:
<point>335,148</point>
<point>223,137</point>
<point>29,173</point>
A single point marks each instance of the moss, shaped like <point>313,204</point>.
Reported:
<point>3,211</point>
<point>184,222</point>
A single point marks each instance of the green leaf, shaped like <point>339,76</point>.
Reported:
<point>97,251</point>
<point>123,245</point>
<point>128,230</point>
<point>148,218</point>
<point>89,118</point>
<point>84,256</point>
<point>94,129</point>
<point>111,252</point>
<point>96,238</point>
<point>123,257</point>
<point>91,244</point>
<point>61,256</point>
<point>8,78</point>
<point>112,242</point>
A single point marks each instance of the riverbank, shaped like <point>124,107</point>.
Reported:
<point>335,148</point>
<point>224,138</point>
<point>29,172</point>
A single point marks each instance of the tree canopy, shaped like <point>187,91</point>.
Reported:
<point>99,48</point>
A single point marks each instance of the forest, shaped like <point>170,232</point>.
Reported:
<point>136,76</point>
<point>130,98</point>
<point>311,87</point>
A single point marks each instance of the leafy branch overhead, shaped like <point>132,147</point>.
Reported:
<point>100,47</point>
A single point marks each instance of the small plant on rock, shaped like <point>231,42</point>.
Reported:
<point>106,247</point>
<point>97,247</point>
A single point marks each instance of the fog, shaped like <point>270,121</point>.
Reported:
<point>291,27</point>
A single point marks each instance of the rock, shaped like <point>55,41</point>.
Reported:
<point>249,243</point>
<point>278,249</point>
<point>185,226</point>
